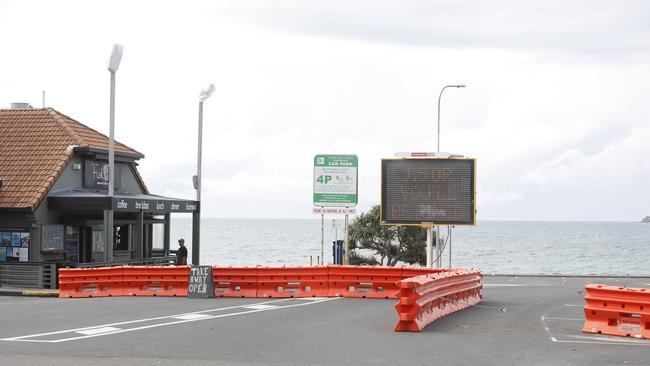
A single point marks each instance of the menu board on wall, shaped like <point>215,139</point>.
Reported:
<point>52,237</point>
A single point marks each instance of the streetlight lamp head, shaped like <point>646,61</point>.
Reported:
<point>206,92</point>
<point>116,57</point>
<point>460,86</point>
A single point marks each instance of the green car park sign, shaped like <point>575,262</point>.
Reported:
<point>335,180</point>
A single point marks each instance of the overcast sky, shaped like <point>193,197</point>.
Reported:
<point>555,110</point>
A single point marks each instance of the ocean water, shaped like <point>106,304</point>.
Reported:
<point>607,248</point>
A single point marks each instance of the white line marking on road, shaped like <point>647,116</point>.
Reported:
<point>558,318</point>
<point>310,298</point>
<point>502,285</point>
<point>191,316</point>
<point>605,338</point>
<point>574,305</point>
<point>26,338</point>
<point>260,307</point>
<point>136,321</point>
<point>97,330</point>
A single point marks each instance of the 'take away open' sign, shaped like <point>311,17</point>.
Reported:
<point>201,282</point>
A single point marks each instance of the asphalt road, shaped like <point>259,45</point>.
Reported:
<point>522,321</point>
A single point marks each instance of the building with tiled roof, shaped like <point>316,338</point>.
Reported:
<point>53,193</point>
<point>35,146</point>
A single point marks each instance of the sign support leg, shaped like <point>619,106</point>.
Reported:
<point>430,247</point>
<point>449,239</point>
<point>438,247</point>
<point>322,238</point>
<point>347,244</point>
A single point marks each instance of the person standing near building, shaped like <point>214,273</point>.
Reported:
<point>181,253</point>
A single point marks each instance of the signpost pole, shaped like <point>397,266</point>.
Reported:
<point>347,243</point>
<point>322,237</point>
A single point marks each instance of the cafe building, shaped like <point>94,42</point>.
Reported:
<point>54,205</point>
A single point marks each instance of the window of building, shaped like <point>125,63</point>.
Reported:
<point>121,237</point>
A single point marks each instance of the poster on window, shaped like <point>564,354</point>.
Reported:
<point>15,239</point>
<point>10,253</point>
<point>24,240</point>
<point>5,238</point>
<point>23,254</point>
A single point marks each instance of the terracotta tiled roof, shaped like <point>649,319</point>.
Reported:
<point>35,147</point>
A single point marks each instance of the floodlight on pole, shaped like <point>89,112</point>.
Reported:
<point>113,66</point>
<point>206,92</point>
<point>116,57</point>
<point>196,217</point>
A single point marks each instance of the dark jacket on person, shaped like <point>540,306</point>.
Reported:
<point>181,256</point>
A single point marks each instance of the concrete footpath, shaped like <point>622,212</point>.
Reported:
<point>522,321</point>
<point>16,291</point>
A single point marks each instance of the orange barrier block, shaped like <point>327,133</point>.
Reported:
<point>235,281</point>
<point>425,298</point>
<point>364,281</point>
<point>291,281</point>
<point>617,311</point>
<point>408,272</point>
<point>155,280</point>
<point>90,282</point>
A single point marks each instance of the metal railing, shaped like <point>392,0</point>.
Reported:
<point>156,261</point>
<point>29,275</point>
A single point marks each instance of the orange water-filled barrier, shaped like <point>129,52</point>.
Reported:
<point>364,281</point>
<point>425,298</point>
<point>617,311</point>
<point>235,281</point>
<point>91,282</point>
<point>155,281</point>
<point>292,281</point>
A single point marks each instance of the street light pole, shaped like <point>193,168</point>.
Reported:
<point>439,98</point>
<point>430,229</point>
<point>196,216</point>
<point>113,66</point>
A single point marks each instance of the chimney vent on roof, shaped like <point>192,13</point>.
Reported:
<point>21,106</point>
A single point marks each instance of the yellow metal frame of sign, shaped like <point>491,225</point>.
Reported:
<point>428,224</point>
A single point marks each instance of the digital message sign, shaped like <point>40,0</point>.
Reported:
<point>428,191</point>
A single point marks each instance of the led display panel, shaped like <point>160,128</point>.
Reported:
<point>428,191</point>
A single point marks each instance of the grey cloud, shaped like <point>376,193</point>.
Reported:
<point>585,27</point>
